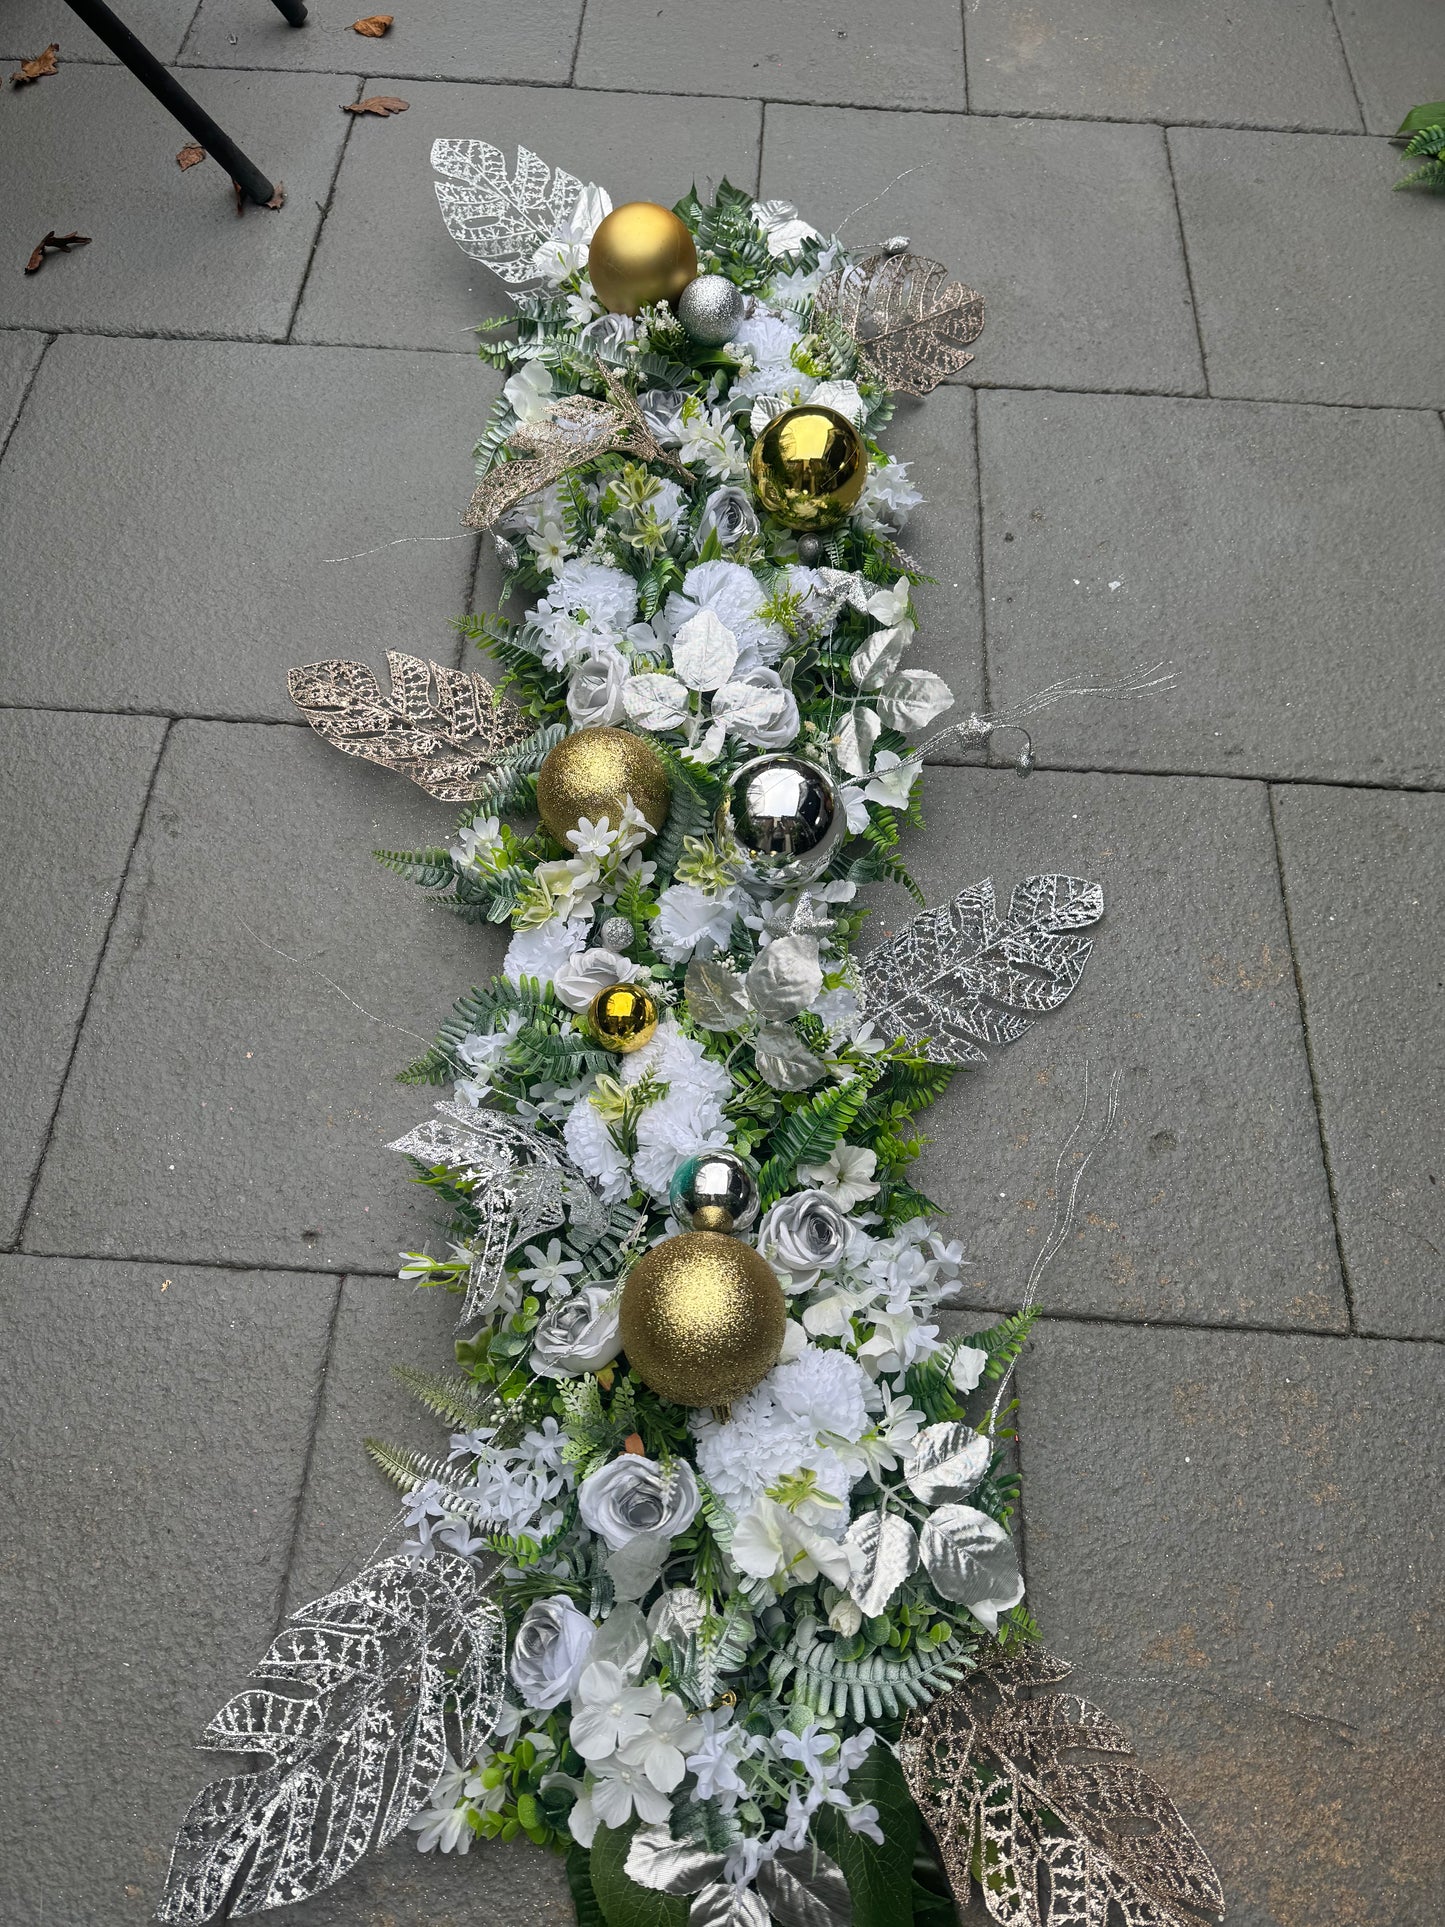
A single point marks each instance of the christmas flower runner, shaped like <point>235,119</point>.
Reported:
<point>709,1584</point>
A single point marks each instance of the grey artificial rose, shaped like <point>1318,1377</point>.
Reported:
<point>632,1495</point>
<point>756,708</point>
<point>728,514</point>
<point>662,411</point>
<point>806,1234</point>
<point>550,1649</point>
<point>594,691</point>
<point>578,1335</point>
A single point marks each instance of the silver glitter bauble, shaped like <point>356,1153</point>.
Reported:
<point>714,1191</point>
<point>810,549</point>
<point>786,817</point>
<point>710,308</point>
<point>896,244</point>
<point>615,934</point>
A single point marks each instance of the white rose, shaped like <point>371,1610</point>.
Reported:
<point>632,1496</point>
<point>594,691</point>
<point>549,1651</point>
<point>577,1335</point>
<point>806,1234</point>
<point>585,972</point>
<point>757,709</point>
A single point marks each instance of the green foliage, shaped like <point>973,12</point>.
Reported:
<point>430,868</point>
<point>449,1396</point>
<point>1430,114</point>
<point>880,1683</point>
<point>695,797</point>
<point>623,1902</point>
<point>478,1011</point>
<point>1004,1341</point>
<point>579,1882</point>
<point>809,1134</point>
<point>406,1469</point>
<point>880,1879</point>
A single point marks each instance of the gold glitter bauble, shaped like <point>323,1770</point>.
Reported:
<point>623,1017</point>
<point>809,466</point>
<point>641,253</point>
<point>592,773</point>
<point>702,1318</point>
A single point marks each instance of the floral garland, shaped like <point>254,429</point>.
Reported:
<point>716,1622</point>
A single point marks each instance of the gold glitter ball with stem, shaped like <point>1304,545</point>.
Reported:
<point>702,1318</point>
<point>641,253</point>
<point>592,773</point>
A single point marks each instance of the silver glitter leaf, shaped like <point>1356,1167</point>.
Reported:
<point>715,995</point>
<point>444,728</point>
<point>784,1060</point>
<point>956,978</point>
<point>911,323</point>
<point>971,1560</point>
<point>946,1462</point>
<point>403,1666</point>
<point>724,1905</point>
<point>668,1866</point>
<point>785,978</point>
<point>499,218</point>
<point>805,1889</point>
<point>885,1553</point>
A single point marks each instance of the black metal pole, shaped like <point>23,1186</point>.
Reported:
<point>294,10</point>
<point>174,98</point>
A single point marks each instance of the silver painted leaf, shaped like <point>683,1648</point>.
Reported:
<point>784,1060</point>
<point>806,1889</point>
<point>384,1678</point>
<point>956,978</point>
<point>785,978</point>
<point>499,218</point>
<point>885,1553</point>
<point>946,1462</point>
<point>715,995</point>
<point>971,1560</point>
<point>668,1866</point>
<point>724,1905</point>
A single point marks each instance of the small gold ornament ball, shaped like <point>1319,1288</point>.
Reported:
<point>702,1318</point>
<point>623,1018</point>
<point>641,253</point>
<point>808,467</point>
<point>592,773</point>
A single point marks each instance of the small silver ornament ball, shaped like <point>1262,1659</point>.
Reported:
<point>810,549</point>
<point>785,815</point>
<point>615,933</point>
<point>710,308</point>
<point>896,244</point>
<point>719,1184</point>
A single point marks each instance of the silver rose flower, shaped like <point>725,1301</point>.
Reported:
<point>806,1234</point>
<point>578,1335</point>
<point>729,515</point>
<point>550,1650</point>
<point>632,1496</point>
<point>594,691</point>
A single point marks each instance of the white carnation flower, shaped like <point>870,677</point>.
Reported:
<point>688,916</point>
<point>734,595</point>
<point>541,952</point>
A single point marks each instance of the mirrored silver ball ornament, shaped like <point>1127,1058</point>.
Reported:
<point>715,1191</point>
<point>615,934</point>
<point>785,816</point>
<point>710,308</point>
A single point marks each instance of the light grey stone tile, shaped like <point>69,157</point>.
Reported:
<point>1272,63</point>
<point>1288,561</point>
<point>1229,1534</point>
<point>1362,873</point>
<point>1396,50</point>
<point>1315,281</point>
<point>234,1088</point>
<point>909,54</point>
<point>90,150</point>
<point>27,27</point>
<point>1208,1204</point>
<point>156,1424</point>
<point>1087,290</point>
<point>19,353</point>
<point>71,793</point>
<point>387,271</point>
<point>197,517</point>
<point>446,39</point>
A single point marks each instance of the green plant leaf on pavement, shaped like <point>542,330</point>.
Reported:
<point>880,1879</point>
<point>1432,114</point>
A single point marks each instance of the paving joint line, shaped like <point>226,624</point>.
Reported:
<point>985,663</point>
<point>1349,67</point>
<point>279,1614</point>
<point>577,45</point>
<point>1315,1094</point>
<point>286,1267</point>
<point>1188,263</point>
<point>324,209</point>
<point>102,953</point>
<point>177,57</point>
<point>1314,1333</point>
<point>7,437</point>
<point>762,140</point>
<point>963,53</point>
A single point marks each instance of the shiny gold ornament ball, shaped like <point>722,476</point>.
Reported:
<point>702,1318</point>
<point>623,1018</point>
<point>809,466</point>
<point>592,773</point>
<point>641,253</point>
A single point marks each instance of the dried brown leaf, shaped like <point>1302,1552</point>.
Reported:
<point>243,199</point>
<point>373,26</point>
<point>911,323</point>
<point>54,243</point>
<point>37,68</point>
<point>379,104</point>
<point>191,155</point>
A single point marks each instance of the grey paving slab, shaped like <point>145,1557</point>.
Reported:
<point>446,39</point>
<point>1362,877</point>
<point>386,269</point>
<point>1396,50</point>
<point>167,253</point>
<point>1315,281</point>
<point>29,26</point>
<point>1086,290</point>
<point>75,784</point>
<point>234,1086</point>
<point>19,353</point>
<point>195,517</point>
<point>1209,1203</point>
<point>1231,1535</point>
<point>1288,561</point>
<point>156,1426</point>
<point>1271,63</point>
<point>909,54</point>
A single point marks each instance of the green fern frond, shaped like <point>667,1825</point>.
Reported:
<point>1004,1341</point>
<point>406,1469</point>
<point>809,1134</point>
<point>430,868</point>
<point>880,1685</point>
<point>695,797</point>
<point>455,1400</point>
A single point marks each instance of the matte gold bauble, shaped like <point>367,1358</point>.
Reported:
<point>702,1318</point>
<point>641,253</point>
<point>592,773</point>
<point>623,1018</point>
<point>809,466</point>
